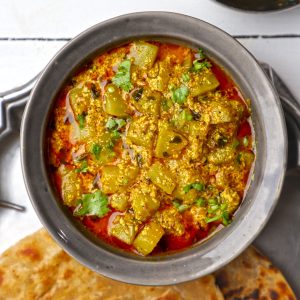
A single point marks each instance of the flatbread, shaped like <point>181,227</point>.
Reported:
<point>37,268</point>
<point>252,276</point>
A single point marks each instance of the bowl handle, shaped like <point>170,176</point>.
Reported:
<point>290,105</point>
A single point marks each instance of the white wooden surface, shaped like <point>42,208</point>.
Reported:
<point>31,32</point>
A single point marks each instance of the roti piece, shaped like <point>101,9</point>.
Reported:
<point>37,268</point>
<point>252,276</point>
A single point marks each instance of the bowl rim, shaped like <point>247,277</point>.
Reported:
<point>194,262</point>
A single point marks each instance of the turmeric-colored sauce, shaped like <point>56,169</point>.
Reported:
<point>151,147</point>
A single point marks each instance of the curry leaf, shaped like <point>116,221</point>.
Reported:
<point>95,204</point>
<point>122,77</point>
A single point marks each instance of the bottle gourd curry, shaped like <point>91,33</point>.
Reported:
<point>151,146</point>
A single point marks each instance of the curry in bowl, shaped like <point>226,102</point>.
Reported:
<point>151,146</point>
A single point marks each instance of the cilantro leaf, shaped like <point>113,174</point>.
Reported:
<point>95,204</point>
<point>122,77</point>
<point>83,167</point>
<point>200,202</point>
<point>179,95</point>
<point>115,124</point>
<point>185,77</point>
<point>201,54</point>
<point>198,186</point>
<point>180,207</point>
<point>200,65</point>
<point>96,150</point>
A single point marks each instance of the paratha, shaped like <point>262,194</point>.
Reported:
<point>253,276</point>
<point>37,268</point>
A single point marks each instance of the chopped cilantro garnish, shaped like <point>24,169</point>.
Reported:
<point>180,207</point>
<point>83,167</point>
<point>116,134</point>
<point>179,95</point>
<point>166,104</point>
<point>81,120</point>
<point>213,219</point>
<point>245,141</point>
<point>198,186</point>
<point>122,77</point>
<point>200,65</point>
<point>185,77</point>
<point>96,150</point>
<point>201,54</point>
<point>200,202</point>
<point>95,204</point>
<point>115,124</point>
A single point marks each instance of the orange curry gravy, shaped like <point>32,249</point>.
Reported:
<point>151,147</point>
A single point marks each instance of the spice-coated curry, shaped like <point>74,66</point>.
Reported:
<point>150,146</point>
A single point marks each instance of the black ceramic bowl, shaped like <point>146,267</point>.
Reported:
<point>269,169</point>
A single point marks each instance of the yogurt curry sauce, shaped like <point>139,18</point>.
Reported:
<point>150,146</point>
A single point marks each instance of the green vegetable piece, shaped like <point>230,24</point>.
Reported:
<point>141,131</point>
<point>119,201</point>
<point>81,120</point>
<point>114,103</point>
<point>159,82</point>
<point>117,178</point>
<point>144,206</point>
<point>124,228</point>
<point>95,204</point>
<point>198,186</point>
<point>179,95</point>
<point>70,186</point>
<point>161,177</point>
<point>83,167</point>
<point>122,77</point>
<point>169,142</point>
<point>96,150</point>
<point>203,84</point>
<point>79,101</point>
<point>222,155</point>
<point>148,238</point>
<point>144,54</point>
<point>149,103</point>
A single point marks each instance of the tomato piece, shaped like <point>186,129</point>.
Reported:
<point>244,129</point>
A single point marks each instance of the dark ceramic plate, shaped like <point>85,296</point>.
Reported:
<point>260,5</point>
